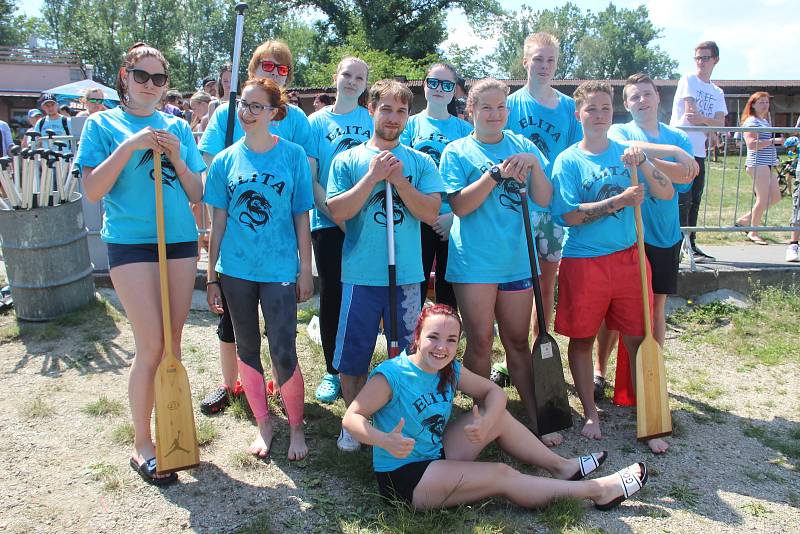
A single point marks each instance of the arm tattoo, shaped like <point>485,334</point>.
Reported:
<point>596,210</point>
<point>660,177</point>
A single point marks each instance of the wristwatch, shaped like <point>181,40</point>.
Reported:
<point>495,173</point>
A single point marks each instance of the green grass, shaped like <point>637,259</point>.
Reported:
<point>36,408</point>
<point>206,432</point>
<point>9,332</point>
<point>756,509</point>
<point>684,494</point>
<point>104,406</point>
<point>785,443</point>
<point>718,202</point>
<point>108,474</point>
<point>562,514</point>
<point>123,434</point>
<point>304,315</point>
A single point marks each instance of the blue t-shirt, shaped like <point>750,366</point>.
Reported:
<point>294,127</point>
<point>580,177</point>
<point>488,245</point>
<point>331,134</point>
<point>416,398</point>
<point>130,205</point>
<point>661,218</point>
<point>430,136</point>
<point>262,192</point>
<point>364,249</point>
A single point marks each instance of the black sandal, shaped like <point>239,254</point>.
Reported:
<point>599,387</point>
<point>147,470</point>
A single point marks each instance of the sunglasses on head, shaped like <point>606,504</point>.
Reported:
<point>269,66</point>
<point>142,76</point>
<point>95,100</point>
<point>447,85</point>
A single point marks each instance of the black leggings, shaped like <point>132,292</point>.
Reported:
<point>434,247</point>
<point>689,202</point>
<point>328,244</point>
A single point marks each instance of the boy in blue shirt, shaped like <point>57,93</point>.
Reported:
<point>599,274</point>
<point>662,229</point>
<point>355,198</point>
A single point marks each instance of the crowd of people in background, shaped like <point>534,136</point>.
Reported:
<point>291,183</point>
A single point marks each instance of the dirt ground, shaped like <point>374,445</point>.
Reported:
<point>65,470</point>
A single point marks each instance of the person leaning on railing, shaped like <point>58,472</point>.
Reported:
<point>761,160</point>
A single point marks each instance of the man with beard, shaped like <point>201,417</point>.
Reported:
<point>599,274</point>
<point>356,199</point>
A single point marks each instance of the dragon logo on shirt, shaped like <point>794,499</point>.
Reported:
<point>168,174</point>
<point>509,197</point>
<point>432,152</point>
<point>608,191</point>
<point>379,200</point>
<point>346,144</point>
<point>257,209</point>
<point>435,425</point>
<point>537,140</point>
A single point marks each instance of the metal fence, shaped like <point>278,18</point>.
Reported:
<point>730,191</point>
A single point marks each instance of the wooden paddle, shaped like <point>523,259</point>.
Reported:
<point>653,418</point>
<point>176,439</point>
<point>553,412</point>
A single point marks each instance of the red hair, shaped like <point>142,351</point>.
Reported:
<point>446,373</point>
<point>748,108</point>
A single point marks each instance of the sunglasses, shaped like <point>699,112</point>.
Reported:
<point>142,76</point>
<point>269,66</point>
<point>254,108</point>
<point>96,100</point>
<point>447,85</point>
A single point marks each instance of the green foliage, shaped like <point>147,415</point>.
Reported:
<point>104,406</point>
<point>467,61</point>
<point>15,30</point>
<point>563,513</point>
<point>36,408</point>
<point>206,432</point>
<point>613,43</point>
<point>123,434</point>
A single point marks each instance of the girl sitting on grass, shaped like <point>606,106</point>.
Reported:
<point>412,395</point>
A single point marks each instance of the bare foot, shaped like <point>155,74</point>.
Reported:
<point>591,429</point>
<point>297,443</point>
<point>658,445</point>
<point>261,445</point>
<point>610,487</point>
<point>552,439</point>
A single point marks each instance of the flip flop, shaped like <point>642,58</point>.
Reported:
<point>630,485</point>
<point>147,470</point>
<point>588,464</point>
<point>758,240</point>
<point>499,375</point>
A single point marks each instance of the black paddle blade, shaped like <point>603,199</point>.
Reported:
<point>553,412</point>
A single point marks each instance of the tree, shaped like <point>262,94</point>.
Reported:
<point>15,30</point>
<point>467,61</point>
<point>620,45</point>
<point>614,43</point>
<point>404,28</point>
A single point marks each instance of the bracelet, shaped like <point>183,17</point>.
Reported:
<point>212,283</point>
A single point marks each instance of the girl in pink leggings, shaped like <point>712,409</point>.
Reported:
<point>260,189</point>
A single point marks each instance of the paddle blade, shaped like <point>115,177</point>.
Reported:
<point>653,418</point>
<point>176,439</point>
<point>553,412</point>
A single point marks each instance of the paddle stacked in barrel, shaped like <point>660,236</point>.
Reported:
<point>176,439</point>
<point>653,418</point>
<point>549,387</point>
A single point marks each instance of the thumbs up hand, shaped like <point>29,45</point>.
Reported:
<point>395,443</point>
<point>477,429</point>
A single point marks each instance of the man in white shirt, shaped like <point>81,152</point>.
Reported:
<point>698,102</point>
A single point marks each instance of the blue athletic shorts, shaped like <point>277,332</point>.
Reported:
<point>517,285</point>
<point>362,309</point>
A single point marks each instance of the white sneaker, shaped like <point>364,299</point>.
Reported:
<point>792,253</point>
<point>346,442</point>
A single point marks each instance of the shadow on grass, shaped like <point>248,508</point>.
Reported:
<point>82,340</point>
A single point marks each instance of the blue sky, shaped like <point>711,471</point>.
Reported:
<point>756,38</point>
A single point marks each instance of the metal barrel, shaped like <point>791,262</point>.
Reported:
<point>47,259</point>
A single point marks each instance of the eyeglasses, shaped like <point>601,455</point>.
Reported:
<point>269,66</point>
<point>142,76</point>
<point>703,58</point>
<point>447,85</point>
<point>96,100</point>
<point>254,108</point>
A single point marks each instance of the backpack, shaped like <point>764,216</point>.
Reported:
<point>40,125</point>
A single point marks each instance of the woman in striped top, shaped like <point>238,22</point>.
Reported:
<point>760,163</point>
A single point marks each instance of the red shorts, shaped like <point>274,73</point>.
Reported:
<point>606,287</point>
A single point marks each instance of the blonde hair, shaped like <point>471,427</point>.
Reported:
<point>362,98</point>
<point>539,39</point>
<point>487,84</point>
<point>392,88</point>
<point>589,87</point>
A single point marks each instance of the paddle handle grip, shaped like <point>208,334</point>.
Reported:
<point>394,348</point>
<point>237,54</point>
<point>637,214</point>
<point>163,276</point>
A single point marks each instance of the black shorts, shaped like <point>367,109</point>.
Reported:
<point>148,252</point>
<point>399,485</point>
<point>664,262</point>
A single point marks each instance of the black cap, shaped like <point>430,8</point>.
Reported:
<point>207,79</point>
<point>46,97</point>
